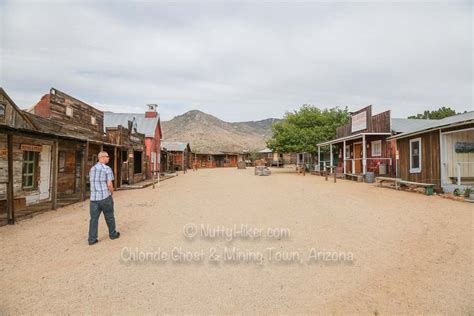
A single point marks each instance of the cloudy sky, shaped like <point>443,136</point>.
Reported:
<point>240,60</point>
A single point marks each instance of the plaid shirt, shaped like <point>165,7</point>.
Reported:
<point>99,175</point>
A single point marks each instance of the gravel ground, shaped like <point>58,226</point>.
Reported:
<point>310,246</point>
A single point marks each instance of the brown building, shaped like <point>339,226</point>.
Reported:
<point>217,159</point>
<point>148,124</point>
<point>363,146</point>
<point>179,154</point>
<point>440,153</point>
<point>45,160</point>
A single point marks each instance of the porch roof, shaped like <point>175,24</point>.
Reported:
<point>350,137</point>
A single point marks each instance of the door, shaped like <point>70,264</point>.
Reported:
<point>78,171</point>
<point>357,157</point>
<point>45,172</point>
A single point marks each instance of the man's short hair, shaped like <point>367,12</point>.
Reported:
<point>102,154</point>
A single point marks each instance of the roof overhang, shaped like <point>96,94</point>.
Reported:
<point>351,137</point>
<point>427,130</point>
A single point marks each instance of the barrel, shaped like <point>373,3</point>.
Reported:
<point>369,177</point>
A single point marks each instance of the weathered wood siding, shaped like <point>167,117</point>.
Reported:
<point>12,117</point>
<point>82,114</point>
<point>31,195</point>
<point>430,159</point>
<point>379,123</point>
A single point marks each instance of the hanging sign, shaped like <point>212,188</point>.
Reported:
<point>26,147</point>
<point>3,152</point>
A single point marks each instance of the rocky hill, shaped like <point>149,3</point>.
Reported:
<point>208,134</point>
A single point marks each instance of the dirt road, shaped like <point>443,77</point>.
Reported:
<point>278,244</point>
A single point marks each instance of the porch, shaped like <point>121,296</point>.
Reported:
<point>358,154</point>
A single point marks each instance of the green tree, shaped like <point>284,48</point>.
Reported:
<point>301,130</point>
<point>438,114</point>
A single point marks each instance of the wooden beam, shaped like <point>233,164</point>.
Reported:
<point>344,157</point>
<point>115,167</point>
<point>85,159</point>
<point>54,193</point>
<point>10,194</point>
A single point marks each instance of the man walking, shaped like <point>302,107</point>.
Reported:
<point>102,188</point>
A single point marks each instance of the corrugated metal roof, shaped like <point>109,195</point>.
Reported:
<point>174,146</point>
<point>145,125</point>
<point>402,125</point>
<point>433,124</point>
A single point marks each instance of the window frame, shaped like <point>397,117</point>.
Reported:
<point>70,110</point>
<point>418,169</point>
<point>33,161</point>
<point>348,152</point>
<point>3,108</point>
<point>378,142</point>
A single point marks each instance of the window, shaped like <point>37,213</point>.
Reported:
<point>209,158</point>
<point>415,155</point>
<point>2,111</point>
<point>62,161</point>
<point>30,161</point>
<point>376,148</point>
<point>69,111</point>
<point>124,156</point>
<point>137,160</point>
<point>93,121</point>
<point>348,152</point>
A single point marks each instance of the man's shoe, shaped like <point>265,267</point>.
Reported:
<point>93,242</point>
<point>117,235</point>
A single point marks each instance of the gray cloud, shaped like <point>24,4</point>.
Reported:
<point>240,61</point>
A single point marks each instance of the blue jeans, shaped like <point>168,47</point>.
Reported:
<point>96,207</point>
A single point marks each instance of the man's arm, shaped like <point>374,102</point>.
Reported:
<point>110,185</point>
<point>110,178</point>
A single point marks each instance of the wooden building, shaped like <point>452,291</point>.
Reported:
<point>46,153</point>
<point>441,153</point>
<point>216,159</point>
<point>147,123</point>
<point>180,155</point>
<point>363,146</point>
<point>131,154</point>
<point>38,169</point>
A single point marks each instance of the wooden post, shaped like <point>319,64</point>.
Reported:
<point>330,155</point>
<point>319,158</point>
<point>54,193</point>
<point>10,194</point>
<point>364,155</point>
<point>344,157</point>
<point>334,174</point>
<point>84,174</point>
<point>115,168</point>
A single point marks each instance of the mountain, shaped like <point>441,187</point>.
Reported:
<point>208,134</point>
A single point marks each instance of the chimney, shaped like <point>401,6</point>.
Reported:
<point>151,112</point>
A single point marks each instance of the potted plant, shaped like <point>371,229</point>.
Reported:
<point>469,193</point>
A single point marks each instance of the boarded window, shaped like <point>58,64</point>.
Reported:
<point>69,111</point>
<point>30,161</point>
<point>62,161</point>
<point>2,111</point>
<point>93,121</point>
<point>137,160</point>
<point>415,155</point>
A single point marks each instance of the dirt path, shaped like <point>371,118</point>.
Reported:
<point>410,253</point>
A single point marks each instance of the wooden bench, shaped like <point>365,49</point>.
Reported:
<point>381,180</point>
<point>399,182</point>
<point>357,177</point>
<point>428,186</point>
